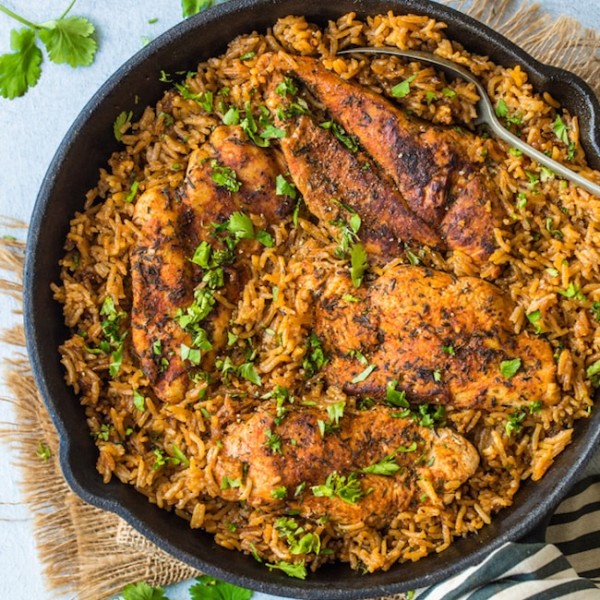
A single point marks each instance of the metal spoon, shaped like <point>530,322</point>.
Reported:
<point>486,113</point>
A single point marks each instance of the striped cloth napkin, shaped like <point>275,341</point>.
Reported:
<point>566,566</point>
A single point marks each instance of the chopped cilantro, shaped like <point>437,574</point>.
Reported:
<point>449,93</point>
<point>395,397</point>
<point>572,292</point>
<point>249,373</point>
<point>287,87</point>
<point>273,442</point>
<point>224,177</point>
<point>232,116</point>
<point>561,129</point>
<point>297,570</point>
<point>515,422</point>
<point>358,263</point>
<point>388,465</point>
<point>193,7</point>
<point>339,132</point>
<point>279,492</point>
<point>139,401</point>
<point>534,318</point>
<point>347,488</point>
<point>364,374</point>
<point>123,119</point>
<point>314,359</point>
<point>402,89</point>
<point>285,188</point>
<point>593,373</point>
<point>430,415</point>
<point>509,368</point>
<point>132,192</point>
<point>228,483</point>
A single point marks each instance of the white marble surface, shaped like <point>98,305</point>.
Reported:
<point>31,128</point>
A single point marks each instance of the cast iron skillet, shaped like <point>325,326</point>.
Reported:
<point>74,170</point>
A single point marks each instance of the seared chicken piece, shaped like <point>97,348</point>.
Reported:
<point>427,163</point>
<point>443,339</point>
<point>305,457</point>
<point>330,178</point>
<point>171,227</point>
<point>162,282</point>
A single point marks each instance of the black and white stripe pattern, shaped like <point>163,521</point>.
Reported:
<point>567,566</point>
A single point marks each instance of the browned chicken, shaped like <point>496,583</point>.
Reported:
<point>427,163</point>
<point>171,226</point>
<point>332,178</point>
<point>323,473</point>
<point>443,339</point>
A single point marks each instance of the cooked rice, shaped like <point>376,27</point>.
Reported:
<point>548,243</point>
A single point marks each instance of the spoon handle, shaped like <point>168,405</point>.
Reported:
<point>487,113</point>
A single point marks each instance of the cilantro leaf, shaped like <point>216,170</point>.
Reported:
<point>292,569</point>
<point>364,374</point>
<point>358,263</point>
<point>143,591</point>
<point>122,119</point>
<point>509,368</point>
<point>561,130</point>
<point>209,588</point>
<point>20,70</point>
<point>193,7</point>
<point>69,41</point>
<point>402,89</point>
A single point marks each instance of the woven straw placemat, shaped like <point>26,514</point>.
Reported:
<point>93,554</point>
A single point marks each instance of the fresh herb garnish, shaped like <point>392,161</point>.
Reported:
<point>139,401</point>
<point>509,368</point>
<point>561,129</point>
<point>572,292</point>
<point>67,40</point>
<point>364,374</point>
<point>347,488</point>
<point>339,132</point>
<point>142,591</point>
<point>209,588</point>
<point>395,397</point>
<point>193,7</point>
<point>122,119</point>
<point>297,570</point>
<point>388,465</point>
<point>284,188</point>
<point>358,263</point>
<point>430,415</point>
<point>224,176</point>
<point>402,89</point>
<point>534,318</point>
<point>287,87</point>
<point>273,442</point>
<point>515,422</point>
<point>593,373</point>
<point>314,359</point>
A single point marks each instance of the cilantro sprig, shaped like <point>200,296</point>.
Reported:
<point>66,39</point>
<point>205,588</point>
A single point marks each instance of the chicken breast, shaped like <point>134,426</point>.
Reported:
<point>225,175</point>
<point>427,163</point>
<point>442,339</point>
<point>329,470</point>
<point>332,179</point>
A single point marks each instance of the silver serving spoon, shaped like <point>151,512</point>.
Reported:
<point>486,113</point>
